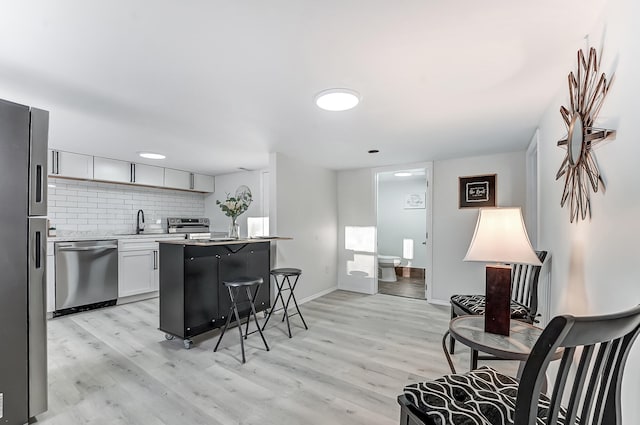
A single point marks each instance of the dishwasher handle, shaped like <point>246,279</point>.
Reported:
<point>87,248</point>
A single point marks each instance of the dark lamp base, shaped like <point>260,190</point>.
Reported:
<point>497,315</point>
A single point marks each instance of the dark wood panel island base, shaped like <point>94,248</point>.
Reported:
<point>193,299</point>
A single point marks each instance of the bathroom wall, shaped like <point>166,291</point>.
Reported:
<point>397,224</point>
<point>107,208</point>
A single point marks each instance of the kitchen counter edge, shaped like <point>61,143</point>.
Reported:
<point>188,242</point>
<point>175,236</point>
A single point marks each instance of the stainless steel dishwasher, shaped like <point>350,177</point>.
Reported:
<point>86,275</point>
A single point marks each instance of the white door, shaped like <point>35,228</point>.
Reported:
<point>404,213</point>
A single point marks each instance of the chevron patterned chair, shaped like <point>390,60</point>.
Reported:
<point>594,348</point>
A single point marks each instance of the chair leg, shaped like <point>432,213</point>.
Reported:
<point>452,342</point>
<point>295,302</point>
<point>275,302</point>
<point>226,325</point>
<point>255,316</point>
<point>286,307</point>
<point>237,315</point>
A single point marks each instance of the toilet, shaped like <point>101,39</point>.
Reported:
<point>387,267</point>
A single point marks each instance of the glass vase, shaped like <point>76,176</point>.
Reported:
<point>234,230</point>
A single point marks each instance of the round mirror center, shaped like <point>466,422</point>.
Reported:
<point>575,139</point>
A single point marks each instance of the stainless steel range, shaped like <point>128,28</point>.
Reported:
<point>194,228</point>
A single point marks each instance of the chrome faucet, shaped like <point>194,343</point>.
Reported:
<point>140,222</point>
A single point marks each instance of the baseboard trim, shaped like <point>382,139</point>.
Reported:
<point>138,297</point>
<point>439,302</point>
<point>311,297</point>
<point>318,295</point>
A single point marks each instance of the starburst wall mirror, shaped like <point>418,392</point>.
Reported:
<point>579,168</point>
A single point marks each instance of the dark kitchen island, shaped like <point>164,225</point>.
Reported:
<point>193,299</point>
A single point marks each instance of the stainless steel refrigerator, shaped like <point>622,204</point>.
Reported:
<point>23,241</point>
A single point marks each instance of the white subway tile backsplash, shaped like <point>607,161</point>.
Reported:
<point>84,206</point>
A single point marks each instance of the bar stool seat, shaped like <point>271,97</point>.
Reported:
<point>234,287</point>
<point>285,273</point>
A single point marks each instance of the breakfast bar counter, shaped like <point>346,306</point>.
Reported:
<point>193,299</point>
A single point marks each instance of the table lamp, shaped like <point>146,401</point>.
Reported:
<point>500,238</point>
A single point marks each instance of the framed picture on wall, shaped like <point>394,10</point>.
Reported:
<point>414,201</point>
<point>477,191</point>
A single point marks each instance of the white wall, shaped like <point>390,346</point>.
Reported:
<point>106,208</point>
<point>453,227</point>
<point>594,268</point>
<point>395,223</point>
<point>303,205</point>
<point>356,231</point>
<point>227,184</point>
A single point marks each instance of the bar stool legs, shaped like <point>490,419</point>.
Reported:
<point>234,288</point>
<point>285,273</point>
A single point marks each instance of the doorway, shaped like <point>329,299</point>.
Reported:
<point>403,244</point>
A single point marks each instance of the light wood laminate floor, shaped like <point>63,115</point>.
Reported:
<point>112,366</point>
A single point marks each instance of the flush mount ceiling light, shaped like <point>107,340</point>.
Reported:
<point>337,99</point>
<point>403,174</point>
<point>151,155</point>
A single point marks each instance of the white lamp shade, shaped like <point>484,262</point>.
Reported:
<point>501,237</point>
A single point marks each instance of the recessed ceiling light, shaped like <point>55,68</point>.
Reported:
<point>403,174</point>
<point>151,155</point>
<point>337,99</point>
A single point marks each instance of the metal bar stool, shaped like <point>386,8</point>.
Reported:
<point>235,286</point>
<point>285,274</point>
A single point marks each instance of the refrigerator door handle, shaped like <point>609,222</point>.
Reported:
<point>39,184</point>
<point>38,249</point>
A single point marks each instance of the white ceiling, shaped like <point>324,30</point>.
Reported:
<point>216,85</point>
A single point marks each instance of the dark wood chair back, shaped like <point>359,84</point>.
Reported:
<point>595,351</point>
<point>524,285</point>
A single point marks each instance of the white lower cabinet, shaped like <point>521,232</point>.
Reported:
<point>138,268</point>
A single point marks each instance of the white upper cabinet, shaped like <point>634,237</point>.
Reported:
<point>111,170</point>
<point>72,165</point>
<point>202,183</point>
<point>177,179</point>
<point>87,167</point>
<point>148,175</point>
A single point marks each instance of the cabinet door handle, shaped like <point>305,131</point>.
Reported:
<point>155,260</point>
<point>132,174</point>
<point>54,166</point>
